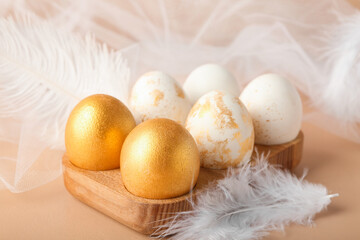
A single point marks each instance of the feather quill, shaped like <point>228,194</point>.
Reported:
<point>248,203</point>
<point>44,72</point>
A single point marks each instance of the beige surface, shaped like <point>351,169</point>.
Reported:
<point>50,212</point>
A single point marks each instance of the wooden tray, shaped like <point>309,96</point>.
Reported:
<point>104,190</point>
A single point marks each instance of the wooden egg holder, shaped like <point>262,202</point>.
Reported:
<point>104,190</point>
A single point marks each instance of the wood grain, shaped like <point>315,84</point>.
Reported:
<point>104,190</point>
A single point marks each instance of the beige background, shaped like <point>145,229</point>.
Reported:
<point>50,212</point>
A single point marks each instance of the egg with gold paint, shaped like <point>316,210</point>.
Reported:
<point>159,160</point>
<point>157,95</point>
<point>95,132</point>
<point>222,129</point>
<point>275,107</point>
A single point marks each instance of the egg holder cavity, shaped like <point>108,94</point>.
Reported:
<point>104,190</point>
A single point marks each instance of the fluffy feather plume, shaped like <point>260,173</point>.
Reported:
<point>44,72</point>
<point>342,62</point>
<point>248,203</point>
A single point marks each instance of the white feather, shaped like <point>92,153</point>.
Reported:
<point>45,72</point>
<point>248,203</point>
<point>341,88</point>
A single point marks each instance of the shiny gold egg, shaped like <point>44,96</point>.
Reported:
<point>159,160</point>
<point>95,132</point>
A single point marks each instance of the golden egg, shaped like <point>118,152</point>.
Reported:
<point>159,160</point>
<point>95,132</point>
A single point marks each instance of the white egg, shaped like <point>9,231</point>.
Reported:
<point>207,78</point>
<point>157,95</point>
<point>275,107</point>
<point>222,129</point>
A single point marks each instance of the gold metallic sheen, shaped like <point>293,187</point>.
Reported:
<point>159,160</point>
<point>95,132</point>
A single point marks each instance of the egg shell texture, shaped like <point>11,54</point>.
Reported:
<point>209,77</point>
<point>222,129</point>
<point>275,107</point>
<point>157,95</point>
<point>95,132</point>
<point>159,160</point>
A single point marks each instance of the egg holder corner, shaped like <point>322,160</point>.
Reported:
<point>104,191</point>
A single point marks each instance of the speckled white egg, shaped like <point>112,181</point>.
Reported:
<point>207,78</point>
<point>275,107</point>
<point>157,95</point>
<point>222,129</point>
